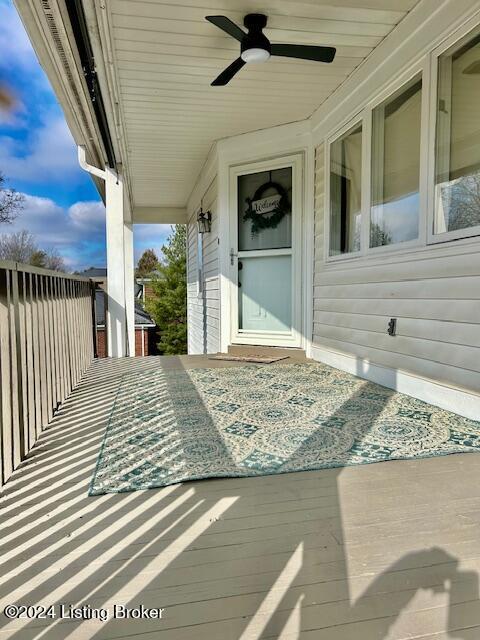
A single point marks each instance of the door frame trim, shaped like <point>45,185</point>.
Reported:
<point>281,339</point>
<point>279,141</point>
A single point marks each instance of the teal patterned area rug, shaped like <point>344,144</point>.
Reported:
<point>171,426</point>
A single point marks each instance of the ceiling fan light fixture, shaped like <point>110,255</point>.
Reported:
<point>256,47</point>
<point>255,54</point>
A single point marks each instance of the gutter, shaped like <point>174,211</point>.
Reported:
<point>82,161</point>
<point>82,41</point>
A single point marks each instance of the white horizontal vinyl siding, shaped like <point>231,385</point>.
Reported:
<point>433,292</point>
<point>203,308</point>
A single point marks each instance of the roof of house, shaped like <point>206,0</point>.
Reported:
<point>141,316</point>
<point>94,272</point>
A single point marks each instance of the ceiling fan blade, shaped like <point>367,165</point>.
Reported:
<point>304,52</point>
<point>225,24</point>
<point>226,75</point>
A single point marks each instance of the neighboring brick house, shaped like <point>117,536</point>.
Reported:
<point>144,287</point>
<point>145,328</point>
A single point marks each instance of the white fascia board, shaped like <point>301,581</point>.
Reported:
<point>159,215</point>
<point>98,18</point>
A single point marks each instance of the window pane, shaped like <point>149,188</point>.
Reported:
<point>345,192</point>
<point>457,171</point>
<point>265,210</point>
<point>396,167</point>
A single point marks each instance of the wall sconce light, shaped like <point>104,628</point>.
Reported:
<point>204,219</point>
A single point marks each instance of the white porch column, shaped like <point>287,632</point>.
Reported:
<point>129,285</point>
<point>120,338</point>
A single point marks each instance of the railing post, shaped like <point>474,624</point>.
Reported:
<point>93,295</point>
<point>5,388</point>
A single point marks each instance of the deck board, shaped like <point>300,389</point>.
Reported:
<point>380,551</point>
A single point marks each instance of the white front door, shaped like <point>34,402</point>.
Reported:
<point>266,224</point>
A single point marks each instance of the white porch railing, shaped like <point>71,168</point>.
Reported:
<point>46,343</point>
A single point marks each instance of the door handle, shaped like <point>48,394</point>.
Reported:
<point>233,255</point>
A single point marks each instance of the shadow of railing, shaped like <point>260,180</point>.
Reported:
<point>237,559</point>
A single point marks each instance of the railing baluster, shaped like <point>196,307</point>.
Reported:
<point>29,359</point>
<point>58,342</point>
<point>51,326</point>
<point>71,338</point>
<point>46,344</point>
<point>61,308</point>
<point>37,385</point>
<point>47,378</point>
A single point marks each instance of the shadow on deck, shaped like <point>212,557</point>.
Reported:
<point>381,551</point>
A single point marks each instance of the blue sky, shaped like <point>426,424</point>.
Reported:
<point>39,158</point>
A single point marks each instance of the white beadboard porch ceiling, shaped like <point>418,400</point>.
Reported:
<point>166,54</point>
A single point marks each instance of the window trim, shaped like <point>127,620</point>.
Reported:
<point>419,70</point>
<point>455,40</point>
<point>357,120</point>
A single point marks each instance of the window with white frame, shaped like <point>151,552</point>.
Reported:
<point>457,141</point>
<point>346,192</point>
<point>395,176</point>
<point>403,184</point>
<point>199,262</point>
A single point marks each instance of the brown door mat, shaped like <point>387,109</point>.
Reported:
<point>252,358</point>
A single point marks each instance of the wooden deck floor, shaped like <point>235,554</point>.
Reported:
<point>389,550</point>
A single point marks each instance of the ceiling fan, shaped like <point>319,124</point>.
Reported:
<point>256,47</point>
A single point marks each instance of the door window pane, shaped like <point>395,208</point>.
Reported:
<point>345,192</point>
<point>457,170</point>
<point>396,167</point>
<point>265,210</point>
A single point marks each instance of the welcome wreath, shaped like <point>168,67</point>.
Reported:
<point>261,220</point>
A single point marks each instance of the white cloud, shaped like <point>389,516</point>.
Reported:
<point>78,232</point>
<point>14,43</point>
<point>87,217</point>
<point>52,223</point>
<point>49,154</point>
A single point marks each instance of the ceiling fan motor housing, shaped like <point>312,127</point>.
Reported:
<point>255,41</point>
<point>256,47</point>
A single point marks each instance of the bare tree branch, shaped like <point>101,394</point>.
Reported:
<point>11,202</point>
<point>22,247</point>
